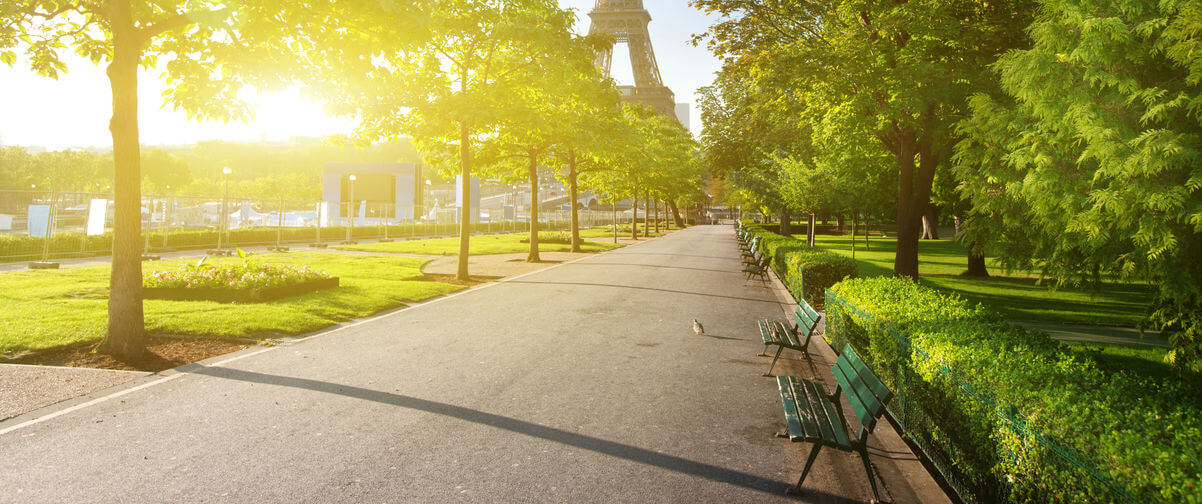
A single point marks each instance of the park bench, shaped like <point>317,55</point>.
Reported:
<point>813,416</point>
<point>758,267</point>
<point>795,337</point>
<point>752,252</point>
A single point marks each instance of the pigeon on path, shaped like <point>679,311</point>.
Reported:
<point>698,328</point>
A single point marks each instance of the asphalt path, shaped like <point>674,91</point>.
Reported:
<point>583,382</point>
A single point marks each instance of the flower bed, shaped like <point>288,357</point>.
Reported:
<point>246,282</point>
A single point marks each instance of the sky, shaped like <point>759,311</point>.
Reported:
<point>73,111</point>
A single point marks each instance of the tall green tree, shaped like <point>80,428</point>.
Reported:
<point>450,90</point>
<point>207,49</point>
<point>1089,165</point>
<point>906,68</point>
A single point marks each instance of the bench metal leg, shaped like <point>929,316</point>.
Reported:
<point>765,352</point>
<point>806,471</point>
<point>778,351</point>
<point>876,496</point>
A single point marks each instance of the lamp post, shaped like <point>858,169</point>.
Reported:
<point>351,209</point>
<point>425,203</point>
<point>224,226</point>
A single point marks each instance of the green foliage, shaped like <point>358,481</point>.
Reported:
<point>1016,415</point>
<point>248,275</point>
<point>804,270</point>
<point>1088,162</point>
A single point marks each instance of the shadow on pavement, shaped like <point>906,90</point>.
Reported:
<point>598,445</point>
<point>603,263</point>
<point>692,293</point>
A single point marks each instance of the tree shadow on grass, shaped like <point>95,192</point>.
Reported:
<point>594,444</point>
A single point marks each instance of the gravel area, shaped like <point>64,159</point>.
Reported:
<point>27,388</point>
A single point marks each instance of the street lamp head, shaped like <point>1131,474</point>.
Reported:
<point>352,177</point>
<point>428,182</point>
<point>226,170</point>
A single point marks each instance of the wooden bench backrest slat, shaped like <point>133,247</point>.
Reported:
<point>878,388</point>
<point>866,393</point>
<point>810,310</point>
<point>831,415</point>
<point>855,391</point>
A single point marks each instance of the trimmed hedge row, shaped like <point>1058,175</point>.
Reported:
<point>21,247</point>
<point>803,270</point>
<point>1012,414</point>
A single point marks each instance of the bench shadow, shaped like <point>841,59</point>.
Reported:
<point>590,443</point>
<point>586,284</point>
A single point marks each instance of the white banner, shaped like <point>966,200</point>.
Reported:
<point>38,223</point>
<point>6,222</point>
<point>97,212</point>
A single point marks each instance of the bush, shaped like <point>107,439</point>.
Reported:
<point>1012,415</point>
<point>804,270</point>
<point>248,275</point>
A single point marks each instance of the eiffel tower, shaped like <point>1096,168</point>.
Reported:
<point>626,21</point>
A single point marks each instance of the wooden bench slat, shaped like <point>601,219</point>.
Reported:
<point>829,420</point>
<point>822,431</point>
<point>856,392</point>
<point>766,331</point>
<point>878,387</point>
<point>789,402</point>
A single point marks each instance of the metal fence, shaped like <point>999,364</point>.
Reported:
<point>55,225</point>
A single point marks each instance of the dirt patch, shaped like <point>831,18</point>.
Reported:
<point>161,353</point>
<point>452,279</point>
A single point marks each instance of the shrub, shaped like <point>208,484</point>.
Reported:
<point>1011,414</point>
<point>804,270</point>
<point>249,275</point>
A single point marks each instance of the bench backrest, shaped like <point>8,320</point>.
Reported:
<point>867,394</point>
<point>805,318</point>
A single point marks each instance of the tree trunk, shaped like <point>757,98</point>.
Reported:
<point>675,214</point>
<point>126,336</point>
<point>533,256</point>
<point>647,214</point>
<point>854,224</point>
<point>810,229</point>
<point>655,205</point>
<point>839,222</point>
<point>465,198</point>
<point>572,186</point>
<point>786,223</point>
<point>914,191</point>
<point>930,222</point>
<point>976,263</point>
<point>667,221</point>
<point>634,217</point>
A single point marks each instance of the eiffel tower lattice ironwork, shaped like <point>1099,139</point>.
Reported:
<point>626,21</point>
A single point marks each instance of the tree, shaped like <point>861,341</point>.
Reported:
<point>207,49</point>
<point>449,89</point>
<point>904,67</point>
<point>555,111</point>
<point>1088,164</point>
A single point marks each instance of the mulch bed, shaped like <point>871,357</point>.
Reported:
<point>161,353</point>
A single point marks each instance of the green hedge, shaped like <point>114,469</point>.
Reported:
<point>803,270</point>
<point>1009,414</point>
<point>70,244</point>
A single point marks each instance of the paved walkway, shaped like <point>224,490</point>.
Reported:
<point>582,382</point>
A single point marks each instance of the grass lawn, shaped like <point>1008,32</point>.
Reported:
<point>480,245</point>
<point>1014,296</point>
<point>51,308</point>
